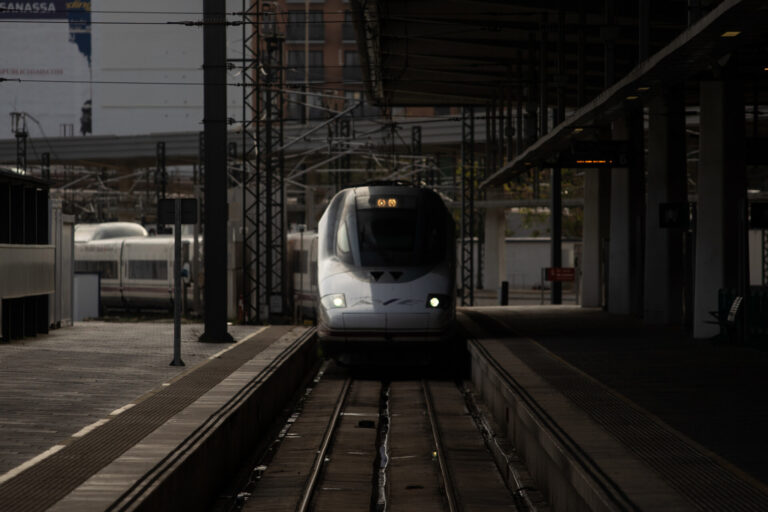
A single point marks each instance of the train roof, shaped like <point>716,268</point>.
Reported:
<point>108,230</point>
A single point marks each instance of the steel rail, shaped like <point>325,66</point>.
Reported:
<point>447,482</point>
<point>314,475</point>
<point>520,489</point>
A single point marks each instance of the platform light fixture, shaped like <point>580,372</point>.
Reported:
<point>730,33</point>
<point>643,88</point>
<point>632,97</point>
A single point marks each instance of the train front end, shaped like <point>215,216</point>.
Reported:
<point>386,275</point>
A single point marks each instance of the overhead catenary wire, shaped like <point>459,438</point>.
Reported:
<point>326,86</point>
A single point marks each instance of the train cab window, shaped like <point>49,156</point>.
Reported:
<point>387,236</point>
<point>342,242</point>
<point>333,212</point>
<point>148,269</point>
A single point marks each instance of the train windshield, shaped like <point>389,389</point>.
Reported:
<point>401,236</point>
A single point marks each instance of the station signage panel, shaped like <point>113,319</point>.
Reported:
<point>561,274</point>
<point>166,211</point>
<point>588,154</point>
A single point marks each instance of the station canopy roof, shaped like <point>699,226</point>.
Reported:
<point>587,55</point>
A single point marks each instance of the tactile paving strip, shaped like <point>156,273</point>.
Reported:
<point>45,483</point>
<point>698,477</point>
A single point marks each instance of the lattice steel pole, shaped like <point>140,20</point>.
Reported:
<point>416,149</point>
<point>251,33</point>
<point>345,162</point>
<point>45,166</point>
<point>161,179</point>
<point>19,128</point>
<point>467,205</point>
<point>272,240</point>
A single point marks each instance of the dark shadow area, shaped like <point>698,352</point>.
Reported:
<point>449,363</point>
<point>712,392</point>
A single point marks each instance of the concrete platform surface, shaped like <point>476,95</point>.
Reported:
<point>54,386</point>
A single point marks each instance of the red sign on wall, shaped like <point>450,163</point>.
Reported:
<point>561,274</point>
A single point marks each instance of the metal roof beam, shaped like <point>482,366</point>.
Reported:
<point>696,49</point>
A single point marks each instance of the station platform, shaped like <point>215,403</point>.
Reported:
<point>617,415</point>
<point>94,416</point>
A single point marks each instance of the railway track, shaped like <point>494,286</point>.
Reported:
<point>382,445</point>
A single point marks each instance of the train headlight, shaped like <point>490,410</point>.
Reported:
<point>334,300</point>
<point>438,301</point>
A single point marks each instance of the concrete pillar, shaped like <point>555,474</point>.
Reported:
<point>495,270</point>
<point>721,201</point>
<point>556,230</point>
<point>625,265</point>
<point>619,248</point>
<point>663,287</point>
<point>591,268</point>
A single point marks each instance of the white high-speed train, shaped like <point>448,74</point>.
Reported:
<point>136,270</point>
<point>385,274</point>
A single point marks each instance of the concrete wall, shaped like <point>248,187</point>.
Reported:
<point>27,270</point>
<point>525,258</point>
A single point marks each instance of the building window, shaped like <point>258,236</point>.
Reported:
<point>296,26</point>
<point>295,67</point>
<point>352,71</point>
<point>299,104</point>
<point>348,28</point>
<point>364,110</point>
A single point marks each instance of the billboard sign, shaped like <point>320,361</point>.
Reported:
<point>46,64</point>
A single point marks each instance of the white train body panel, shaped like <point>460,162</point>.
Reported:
<point>102,257</point>
<point>136,272</point>
<point>386,269</point>
<point>148,272</point>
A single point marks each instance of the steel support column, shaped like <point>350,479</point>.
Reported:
<point>215,122</point>
<point>467,205</point>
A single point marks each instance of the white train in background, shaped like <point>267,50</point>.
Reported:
<point>386,275</point>
<point>136,270</point>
